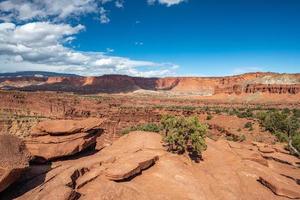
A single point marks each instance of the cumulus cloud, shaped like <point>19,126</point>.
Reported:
<point>56,10</point>
<point>60,10</point>
<point>24,10</point>
<point>35,35</point>
<point>41,46</point>
<point>165,2</point>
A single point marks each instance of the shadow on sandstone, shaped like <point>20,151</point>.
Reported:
<point>34,176</point>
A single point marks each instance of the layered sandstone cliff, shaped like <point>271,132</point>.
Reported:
<point>203,86</point>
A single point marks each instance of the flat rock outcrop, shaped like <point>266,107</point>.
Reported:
<point>66,127</point>
<point>60,138</point>
<point>136,166</point>
<point>14,159</point>
<point>130,165</point>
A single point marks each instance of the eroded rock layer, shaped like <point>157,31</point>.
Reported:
<point>203,86</point>
<point>60,138</point>
<point>137,166</point>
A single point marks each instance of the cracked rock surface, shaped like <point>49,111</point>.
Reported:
<point>136,166</point>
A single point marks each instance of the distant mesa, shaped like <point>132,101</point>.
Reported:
<point>264,82</point>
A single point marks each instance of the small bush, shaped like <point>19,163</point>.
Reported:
<point>248,125</point>
<point>286,111</point>
<point>284,126</point>
<point>218,111</point>
<point>296,141</point>
<point>296,113</point>
<point>280,122</point>
<point>184,135</point>
<point>281,137</point>
<point>126,131</point>
<point>235,138</point>
<point>245,114</point>
<point>151,127</point>
<point>209,117</point>
<point>242,138</point>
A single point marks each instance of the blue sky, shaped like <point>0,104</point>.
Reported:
<point>152,38</point>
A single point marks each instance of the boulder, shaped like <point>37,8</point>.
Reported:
<point>14,159</point>
<point>48,147</point>
<point>60,138</point>
<point>130,165</point>
<point>66,127</point>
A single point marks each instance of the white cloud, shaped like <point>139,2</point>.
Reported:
<point>103,16</point>
<point>24,10</point>
<point>56,10</point>
<point>60,10</point>
<point>119,3</point>
<point>41,46</point>
<point>165,2</point>
<point>139,43</point>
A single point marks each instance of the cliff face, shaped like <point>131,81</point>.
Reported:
<point>277,89</point>
<point>205,86</point>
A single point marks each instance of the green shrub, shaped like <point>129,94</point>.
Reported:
<point>218,111</point>
<point>235,138</point>
<point>242,138</point>
<point>296,113</point>
<point>184,135</point>
<point>151,127</point>
<point>281,137</point>
<point>261,115</point>
<point>126,131</point>
<point>284,126</point>
<point>245,114</point>
<point>296,141</point>
<point>280,122</point>
<point>248,125</point>
<point>209,117</point>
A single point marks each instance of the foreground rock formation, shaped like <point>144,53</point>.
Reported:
<point>60,138</point>
<point>14,159</point>
<point>136,166</point>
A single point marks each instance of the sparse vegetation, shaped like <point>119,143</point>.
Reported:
<point>184,135</point>
<point>150,127</point>
<point>236,138</point>
<point>180,134</point>
<point>245,114</point>
<point>248,125</point>
<point>209,117</point>
<point>296,141</point>
<point>284,126</point>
